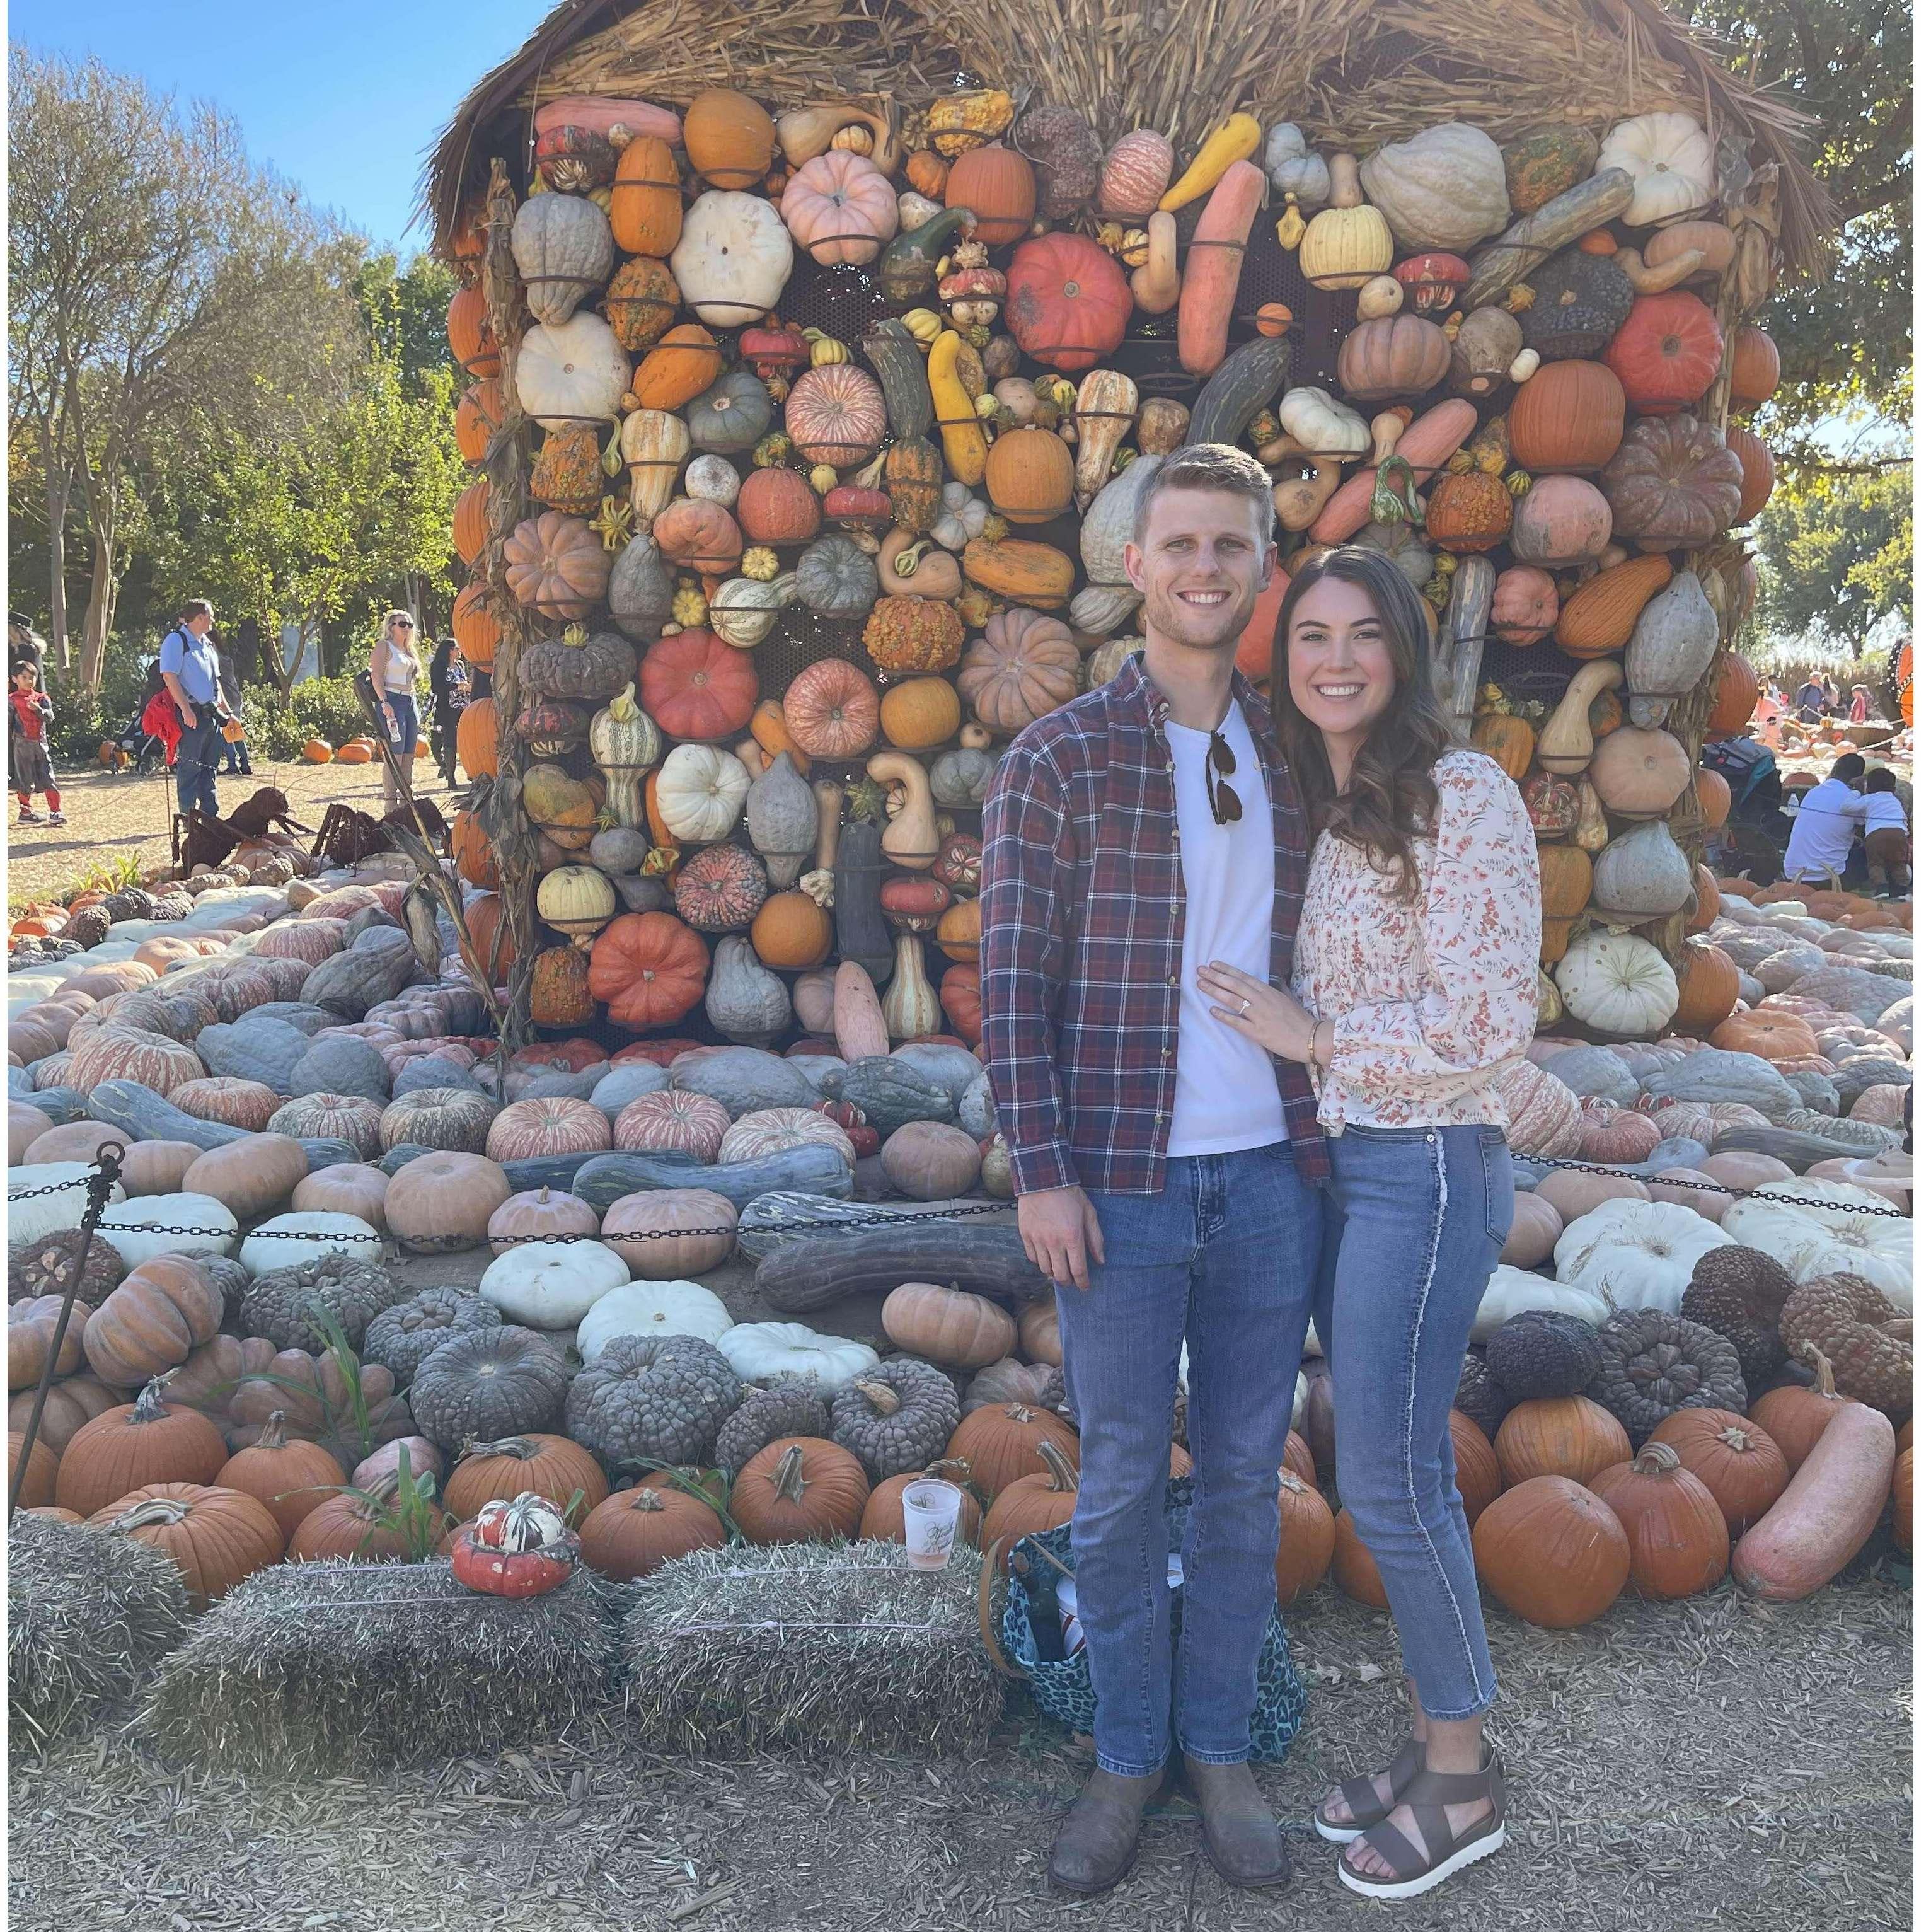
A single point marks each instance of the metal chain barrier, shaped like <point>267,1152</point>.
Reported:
<point>1716,1187</point>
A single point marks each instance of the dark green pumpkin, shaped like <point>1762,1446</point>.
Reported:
<point>836,579</point>
<point>1581,300</point>
<point>1540,1353</point>
<point>730,415</point>
<point>816,1270</point>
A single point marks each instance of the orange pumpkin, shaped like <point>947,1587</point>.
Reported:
<point>1756,367</point>
<point>1734,698</point>
<point>478,415</point>
<point>997,183</point>
<point>683,366</point>
<point>646,210</point>
<point>1706,987</point>
<point>729,138</point>
<point>1759,469</point>
<point>476,858</point>
<point>470,520</point>
<point>476,739</point>
<point>215,1537</point>
<point>472,340</point>
<point>476,627</point>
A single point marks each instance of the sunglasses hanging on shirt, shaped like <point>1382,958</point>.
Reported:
<point>1218,767</point>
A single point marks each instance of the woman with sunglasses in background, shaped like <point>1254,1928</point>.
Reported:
<point>1414,982</point>
<point>396,668</point>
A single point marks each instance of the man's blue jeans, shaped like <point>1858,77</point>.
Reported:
<point>1224,1257</point>
<point>195,759</point>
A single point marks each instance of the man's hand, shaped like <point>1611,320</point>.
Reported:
<point>190,716</point>
<point>1060,1229</point>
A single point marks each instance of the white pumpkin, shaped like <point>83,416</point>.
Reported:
<point>212,1228</point>
<point>1812,1227</point>
<point>570,370</point>
<point>961,517</point>
<point>551,1284</point>
<point>1514,1290</point>
<point>1669,158</point>
<point>700,793</point>
<point>1617,983</point>
<point>651,1308</point>
<point>760,1352</point>
<point>1321,426</point>
<point>286,1241</point>
<point>715,478</point>
<point>29,1220</point>
<point>1445,188</point>
<point>1635,1254</point>
<point>733,258</point>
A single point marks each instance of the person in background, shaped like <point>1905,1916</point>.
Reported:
<point>1860,703</point>
<point>1810,699</point>
<point>191,670</point>
<point>447,682</point>
<point>396,670</point>
<point>31,712</point>
<point>234,745</point>
<point>1887,836</point>
<point>1834,705</point>
<point>1829,817</point>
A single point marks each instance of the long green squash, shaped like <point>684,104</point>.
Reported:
<point>818,1270</point>
<point>1243,385</point>
<point>775,1220</point>
<point>1524,245</point>
<point>604,1179</point>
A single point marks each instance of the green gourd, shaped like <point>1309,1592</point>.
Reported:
<point>908,267</point>
<point>893,353</point>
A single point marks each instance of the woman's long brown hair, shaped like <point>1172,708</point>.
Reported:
<point>1391,798</point>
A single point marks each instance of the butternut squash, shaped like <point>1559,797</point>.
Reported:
<point>961,431</point>
<point>1427,443</point>
<point>1820,1521</point>
<point>858,1019</point>
<point>1156,283</point>
<point>1233,140</point>
<point>1214,257</point>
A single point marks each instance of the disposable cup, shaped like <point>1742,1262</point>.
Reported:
<point>931,1522</point>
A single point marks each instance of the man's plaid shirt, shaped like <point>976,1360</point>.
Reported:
<point>1083,905</point>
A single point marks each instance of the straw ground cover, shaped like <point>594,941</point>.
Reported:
<point>1718,1762</point>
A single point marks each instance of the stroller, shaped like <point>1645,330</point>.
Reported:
<point>1752,841</point>
<point>136,749</point>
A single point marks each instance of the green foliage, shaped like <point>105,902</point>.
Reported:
<point>1836,561</point>
<point>1846,336</point>
<point>318,707</point>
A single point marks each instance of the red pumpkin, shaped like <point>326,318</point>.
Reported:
<point>1666,353</point>
<point>777,506</point>
<point>1067,302</point>
<point>696,686</point>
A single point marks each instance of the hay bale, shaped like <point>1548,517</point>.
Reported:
<point>328,1667</point>
<point>821,1649</point>
<point>87,1614</point>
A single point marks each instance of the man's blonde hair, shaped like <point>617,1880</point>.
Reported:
<point>1208,466</point>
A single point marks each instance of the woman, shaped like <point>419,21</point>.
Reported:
<point>1414,982</point>
<point>1860,704</point>
<point>446,685</point>
<point>395,670</point>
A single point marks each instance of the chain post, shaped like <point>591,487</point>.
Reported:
<point>101,1184</point>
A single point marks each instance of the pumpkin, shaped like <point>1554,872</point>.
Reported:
<point>535,1129</point>
<point>478,415</point>
<point>1559,1435</point>
<point>1561,521</point>
<point>1469,513</point>
<point>700,535</point>
<point>555,565</point>
<point>1446,187</point>
<point>1637,773</point>
<point>572,371</point>
<point>354,1527</point>
<point>1707,982</point>
<point>1134,173</point>
<point>831,710</point>
<point>289,1477</point>
<point>777,505</point>
<point>649,969</point>
<point>1003,1441</point>
<point>1642,874</point>
<point>835,414</point>
<point>792,932</point>
<point>1523,609</point>
<point>1667,352</point>
<point>631,1534</point>
<point>799,1489</point>
<point>919,713</point>
<point>1028,475</point>
<point>840,208</point>
<point>1567,417</point>
<point>1671,159</point>
<point>696,686</point>
<point>563,251</point>
<point>1579,302</point>
<point>733,259</point>
<point>1545,162</point>
<point>906,634</point>
<point>1354,1566</point>
<point>729,138</point>
<point>1618,984</point>
<point>721,889</point>
<point>1736,1460</point>
<point>148,1441</point>
<point>698,795</point>
<point>674,1120</point>
<point>1067,303</point>
<point>215,1537</point>
<point>1756,367</point>
<point>681,366</point>
<point>996,183</point>
<point>947,1326</point>
<point>1759,469</point>
<point>1679,1542</point>
<point>1673,485</point>
<point>1555,1553</point>
<point>1392,356</point>
<point>551,1466</point>
<point>160,1314</point>
<point>884,1518</point>
<point>1510,742</point>
<point>729,417</point>
<point>647,212</point>
<point>472,340</point>
<point>1026,665</point>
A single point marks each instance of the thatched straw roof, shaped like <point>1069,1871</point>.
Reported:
<point>1351,71</point>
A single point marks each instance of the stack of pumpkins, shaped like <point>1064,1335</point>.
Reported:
<point>1533,340</point>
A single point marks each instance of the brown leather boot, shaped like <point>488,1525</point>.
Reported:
<point>1096,1844</point>
<point>1243,1841</point>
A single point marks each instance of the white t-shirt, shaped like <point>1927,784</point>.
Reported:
<point>1883,809</point>
<point>1828,817</point>
<point>1226,1097</point>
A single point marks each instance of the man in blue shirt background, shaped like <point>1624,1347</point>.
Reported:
<point>191,670</point>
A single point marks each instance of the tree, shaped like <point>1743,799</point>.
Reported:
<point>1837,553</point>
<point>153,273</point>
<point>1845,336</point>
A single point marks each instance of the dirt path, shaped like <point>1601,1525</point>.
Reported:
<point>110,819</point>
<point>1717,1763</point>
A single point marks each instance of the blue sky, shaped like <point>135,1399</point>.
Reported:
<point>342,97</point>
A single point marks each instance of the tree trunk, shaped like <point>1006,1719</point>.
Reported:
<point>60,492</point>
<point>100,618</point>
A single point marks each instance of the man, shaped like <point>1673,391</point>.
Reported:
<point>191,670</point>
<point>1829,817</point>
<point>1163,1161</point>
<point>1810,699</point>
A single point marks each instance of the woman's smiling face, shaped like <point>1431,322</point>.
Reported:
<point>1341,676</point>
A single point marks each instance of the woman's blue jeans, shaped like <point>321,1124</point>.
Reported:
<point>1224,1258</point>
<point>1416,1219</point>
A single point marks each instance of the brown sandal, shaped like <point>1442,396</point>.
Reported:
<point>1427,1794</point>
<point>1364,1807</point>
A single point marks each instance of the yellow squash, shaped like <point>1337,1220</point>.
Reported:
<point>960,429</point>
<point>1233,140</point>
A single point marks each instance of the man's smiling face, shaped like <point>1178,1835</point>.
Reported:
<point>1202,564</point>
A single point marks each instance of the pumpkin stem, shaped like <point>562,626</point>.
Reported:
<point>646,1500</point>
<point>519,1448</point>
<point>151,1405</point>
<point>882,1397</point>
<point>1657,1458</point>
<point>1827,1382</point>
<point>274,1435</point>
<point>155,1511</point>
<point>1291,1483</point>
<point>1734,1439</point>
<point>1064,1479</point>
<point>788,1478</point>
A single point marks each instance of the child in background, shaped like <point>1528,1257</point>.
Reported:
<point>1887,836</point>
<point>32,712</point>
